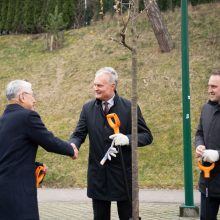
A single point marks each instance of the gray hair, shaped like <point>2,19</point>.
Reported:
<point>109,71</point>
<point>15,87</point>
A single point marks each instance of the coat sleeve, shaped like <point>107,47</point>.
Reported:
<point>39,134</point>
<point>144,134</point>
<point>81,130</point>
<point>199,137</point>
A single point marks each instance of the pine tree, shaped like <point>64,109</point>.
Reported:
<point>163,4</point>
<point>60,5</point>
<point>44,14</point>
<point>18,23</point>
<point>55,22</point>
<point>68,12</point>
<point>4,11</point>
<point>54,36</point>
<point>39,23</point>
<point>51,6</point>
<point>108,6</point>
<point>10,16</point>
<point>0,15</point>
<point>28,16</point>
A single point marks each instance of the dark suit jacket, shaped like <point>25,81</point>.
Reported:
<point>108,182</point>
<point>21,131</point>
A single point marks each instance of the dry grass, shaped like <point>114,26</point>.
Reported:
<point>63,79</point>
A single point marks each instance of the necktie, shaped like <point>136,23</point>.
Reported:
<point>106,109</point>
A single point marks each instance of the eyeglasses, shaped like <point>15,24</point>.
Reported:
<point>28,93</point>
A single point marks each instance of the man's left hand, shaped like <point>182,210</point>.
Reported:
<point>119,139</point>
<point>210,156</point>
<point>45,168</point>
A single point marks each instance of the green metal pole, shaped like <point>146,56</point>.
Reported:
<point>186,108</point>
<point>188,177</point>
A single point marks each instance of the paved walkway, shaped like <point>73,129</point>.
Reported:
<point>73,204</point>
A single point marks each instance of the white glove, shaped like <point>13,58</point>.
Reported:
<point>210,156</point>
<point>119,139</point>
<point>111,152</point>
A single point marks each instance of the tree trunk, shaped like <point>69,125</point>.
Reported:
<point>134,137</point>
<point>51,42</point>
<point>135,187</point>
<point>159,28</point>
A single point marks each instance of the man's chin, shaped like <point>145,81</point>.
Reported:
<point>213,99</point>
<point>98,97</point>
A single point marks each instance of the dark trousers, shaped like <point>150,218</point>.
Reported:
<point>212,205</point>
<point>102,209</point>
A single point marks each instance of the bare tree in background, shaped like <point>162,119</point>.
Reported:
<point>158,25</point>
<point>134,142</point>
<point>129,23</point>
<point>131,19</point>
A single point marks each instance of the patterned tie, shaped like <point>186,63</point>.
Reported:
<point>106,109</point>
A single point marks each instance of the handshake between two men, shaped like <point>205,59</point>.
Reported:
<point>206,155</point>
<point>117,140</point>
<point>76,151</point>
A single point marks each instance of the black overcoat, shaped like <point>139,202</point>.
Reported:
<point>208,134</point>
<point>107,182</point>
<point>21,131</point>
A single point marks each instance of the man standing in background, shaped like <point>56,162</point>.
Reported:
<point>207,142</point>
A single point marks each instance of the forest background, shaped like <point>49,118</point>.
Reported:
<point>31,16</point>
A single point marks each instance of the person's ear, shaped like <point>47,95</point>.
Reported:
<point>114,87</point>
<point>21,97</point>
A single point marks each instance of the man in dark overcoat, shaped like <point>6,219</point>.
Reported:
<point>207,143</point>
<point>111,181</point>
<point>21,131</point>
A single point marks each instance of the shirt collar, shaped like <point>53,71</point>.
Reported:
<point>111,101</point>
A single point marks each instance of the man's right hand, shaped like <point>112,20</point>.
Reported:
<point>199,151</point>
<point>119,139</point>
<point>75,149</point>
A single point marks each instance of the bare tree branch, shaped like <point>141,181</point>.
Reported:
<point>123,32</point>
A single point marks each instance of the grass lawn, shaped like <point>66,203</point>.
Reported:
<point>63,79</point>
